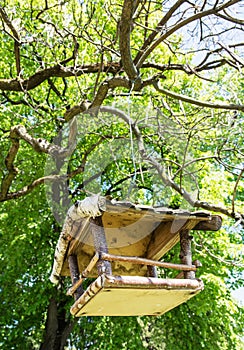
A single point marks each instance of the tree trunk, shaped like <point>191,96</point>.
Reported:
<point>58,327</point>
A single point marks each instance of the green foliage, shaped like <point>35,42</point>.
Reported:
<point>25,264</point>
<point>199,148</point>
<point>205,322</point>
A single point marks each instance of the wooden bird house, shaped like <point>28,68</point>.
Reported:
<point>120,246</point>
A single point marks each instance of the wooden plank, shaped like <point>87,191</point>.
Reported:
<point>115,213</point>
<point>134,296</point>
<point>166,236</point>
<point>90,266</point>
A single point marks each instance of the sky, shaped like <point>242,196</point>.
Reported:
<point>239,295</point>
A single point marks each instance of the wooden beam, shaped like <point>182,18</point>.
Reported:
<point>152,271</point>
<point>100,244</point>
<point>213,224</point>
<point>75,275</point>
<point>166,235</point>
<point>185,252</point>
<point>90,266</point>
<point>148,262</point>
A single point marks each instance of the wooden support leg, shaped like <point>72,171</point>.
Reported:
<point>100,245</point>
<point>185,252</point>
<point>152,271</point>
<point>75,274</point>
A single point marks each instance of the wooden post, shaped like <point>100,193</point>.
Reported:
<point>152,271</point>
<point>100,244</point>
<point>185,252</point>
<point>75,275</point>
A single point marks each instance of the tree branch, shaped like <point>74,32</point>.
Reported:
<point>158,29</point>
<point>160,169</point>
<point>124,40</point>
<point>51,326</point>
<point>12,170</point>
<point>229,18</point>
<point>233,55</point>
<point>39,145</point>
<point>235,189</point>
<point>197,102</point>
<point>75,110</point>
<point>49,178</point>
<point>59,70</point>
<point>15,37</point>
<point>199,15</point>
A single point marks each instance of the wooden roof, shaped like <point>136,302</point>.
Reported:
<point>132,230</point>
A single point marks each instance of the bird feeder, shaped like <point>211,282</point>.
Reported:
<point>120,246</point>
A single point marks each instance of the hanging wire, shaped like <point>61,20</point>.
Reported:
<point>133,179</point>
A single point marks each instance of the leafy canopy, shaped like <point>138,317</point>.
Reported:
<point>138,100</point>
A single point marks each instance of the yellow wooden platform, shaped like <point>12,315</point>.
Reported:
<point>121,244</point>
<point>134,296</point>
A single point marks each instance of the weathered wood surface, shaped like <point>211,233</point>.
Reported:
<point>130,296</point>
<point>89,207</point>
<point>148,262</point>
<point>214,223</point>
<point>83,275</point>
<point>185,252</point>
<point>100,245</point>
<point>166,236</point>
<point>75,275</point>
<point>130,230</point>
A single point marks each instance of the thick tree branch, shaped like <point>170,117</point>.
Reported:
<point>49,178</point>
<point>40,144</point>
<point>15,37</point>
<point>75,110</point>
<point>59,70</point>
<point>19,132</point>
<point>190,100</point>
<point>124,40</point>
<point>51,326</point>
<point>104,89</point>
<point>12,170</point>
<point>33,81</point>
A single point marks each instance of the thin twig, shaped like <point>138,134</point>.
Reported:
<point>235,189</point>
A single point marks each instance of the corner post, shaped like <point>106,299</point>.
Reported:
<point>100,244</point>
<point>152,271</point>
<point>185,252</point>
<point>75,275</point>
